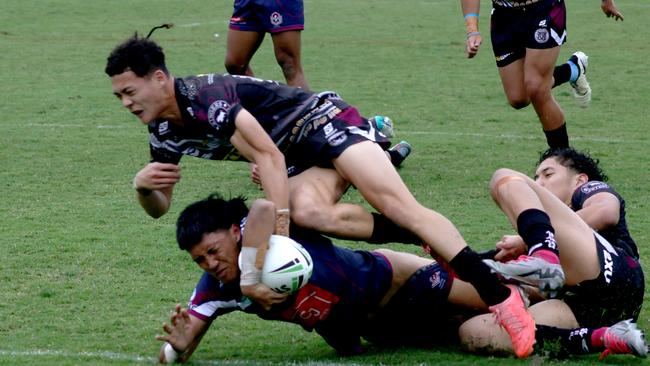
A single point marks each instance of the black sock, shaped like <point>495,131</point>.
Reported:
<point>385,231</point>
<point>469,267</point>
<point>564,342</point>
<point>561,74</point>
<point>558,137</point>
<point>395,157</point>
<point>534,226</point>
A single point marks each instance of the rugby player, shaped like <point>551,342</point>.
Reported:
<point>251,20</point>
<point>526,38</point>
<point>568,217</point>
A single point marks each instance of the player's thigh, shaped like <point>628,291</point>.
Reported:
<point>286,46</point>
<point>512,79</point>
<point>378,181</point>
<point>241,46</point>
<point>554,313</point>
<point>539,65</point>
<point>316,186</point>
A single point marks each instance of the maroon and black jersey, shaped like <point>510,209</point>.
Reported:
<point>618,235</point>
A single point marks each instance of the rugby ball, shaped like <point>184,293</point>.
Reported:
<point>287,265</point>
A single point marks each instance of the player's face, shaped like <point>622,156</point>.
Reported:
<point>217,254</point>
<point>557,178</point>
<point>142,96</point>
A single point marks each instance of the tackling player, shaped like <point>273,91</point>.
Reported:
<point>526,38</point>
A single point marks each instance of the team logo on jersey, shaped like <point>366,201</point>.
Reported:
<point>593,186</point>
<point>541,35</point>
<point>163,128</point>
<point>276,18</point>
<point>218,113</point>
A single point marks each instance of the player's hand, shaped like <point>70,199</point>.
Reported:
<point>610,10</point>
<point>255,175</point>
<point>473,44</point>
<point>511,247</point>
<point>177,332</point>
<point>263,295</point>
<point>157,176</point>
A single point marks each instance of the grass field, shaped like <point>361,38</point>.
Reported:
<point>87,277</point>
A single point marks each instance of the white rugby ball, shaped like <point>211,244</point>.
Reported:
<point>287,265</point>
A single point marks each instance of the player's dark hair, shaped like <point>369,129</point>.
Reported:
<point>137,54</point>
<point>575,160</point>
<point>207,216</point>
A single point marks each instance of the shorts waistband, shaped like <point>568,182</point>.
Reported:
<point>519,4</point>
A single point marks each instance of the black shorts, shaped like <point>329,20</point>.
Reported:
<point>418,314</point>
<point>538,26</point>
<point>615,295</point>
<point>326,142</point>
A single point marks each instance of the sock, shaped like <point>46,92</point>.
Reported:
<point>575,70</point>
<point>385,231</point>
<point>557,137</point>
<point>395,157</point>
<point>534,226</point>
<point>565,341</point>
<point>469,267</point>
<point>562,74</point>
<point>597,336</point>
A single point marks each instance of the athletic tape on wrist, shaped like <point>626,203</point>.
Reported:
<point>250,275</point>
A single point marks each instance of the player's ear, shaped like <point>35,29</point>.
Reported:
<point>582,179</point>
<point>159,75</point>
<point>236,231</point>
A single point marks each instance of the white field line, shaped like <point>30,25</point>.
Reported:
<point>403,133</point>
<point>114,356</point>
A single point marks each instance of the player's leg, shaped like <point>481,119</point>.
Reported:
<point>516,193</point>
<point>538,70</point>
<point>286,46</point>
<point>241,46</point>
<point>512,79</point>
<point>383,188</point>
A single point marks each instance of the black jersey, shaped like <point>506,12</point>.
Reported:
<point>210,103</point>
<point>618,235</point>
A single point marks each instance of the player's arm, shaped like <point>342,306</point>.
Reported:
<point>254,143</point>
<point>183,336</point>
<point>471,9</point>
<point>610,9</point>
<point>600,211</point>
<point>154,185</point>
<point>260,224</point>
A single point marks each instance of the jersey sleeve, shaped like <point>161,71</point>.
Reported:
<point>211,299</point>
<point>589,189</point>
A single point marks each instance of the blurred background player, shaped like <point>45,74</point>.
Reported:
<point>251,20</point>
<point>526,38</point>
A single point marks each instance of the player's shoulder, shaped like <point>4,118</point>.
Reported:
<point>593,186</point>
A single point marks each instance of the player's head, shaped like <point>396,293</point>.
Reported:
<point>140,79</point>
<point>562,170</point>
<point>138,54</point>
<point>209,231</point>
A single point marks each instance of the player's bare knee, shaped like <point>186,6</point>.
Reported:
<point>309,214</point>
<point>519,103</point>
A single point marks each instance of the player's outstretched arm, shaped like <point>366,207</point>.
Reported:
<point>610,9</point>
<point>471,9</point>
<point>154,185</point>
<point>183,336</point>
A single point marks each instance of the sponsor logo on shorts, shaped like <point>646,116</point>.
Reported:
<point>163,128</point>
<point>541,35</point>
<point>217,113</point>
<point>608,268</point>
<point>436,281</point>
<point>503,57</point>
<point>542,23</point>
<point>276,18</point>
<point>593,186</point>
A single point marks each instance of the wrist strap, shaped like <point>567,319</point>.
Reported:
<point>250,275</point>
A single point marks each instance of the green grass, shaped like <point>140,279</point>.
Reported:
<point>87,278</point>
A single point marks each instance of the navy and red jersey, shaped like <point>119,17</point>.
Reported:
<point>618,236</point>
<point>209,104</point>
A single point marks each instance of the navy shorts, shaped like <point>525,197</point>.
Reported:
<point>270,16</point>
<point>615,295</point>
<point>330,139</point>
<point>538,26</point>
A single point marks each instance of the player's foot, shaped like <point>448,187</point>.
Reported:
<point>399,152</point>
<point>384,125</point>
<point>515,319</point>
<point>532,271</point>
<point>581,88</point>
<point>624,338</point>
